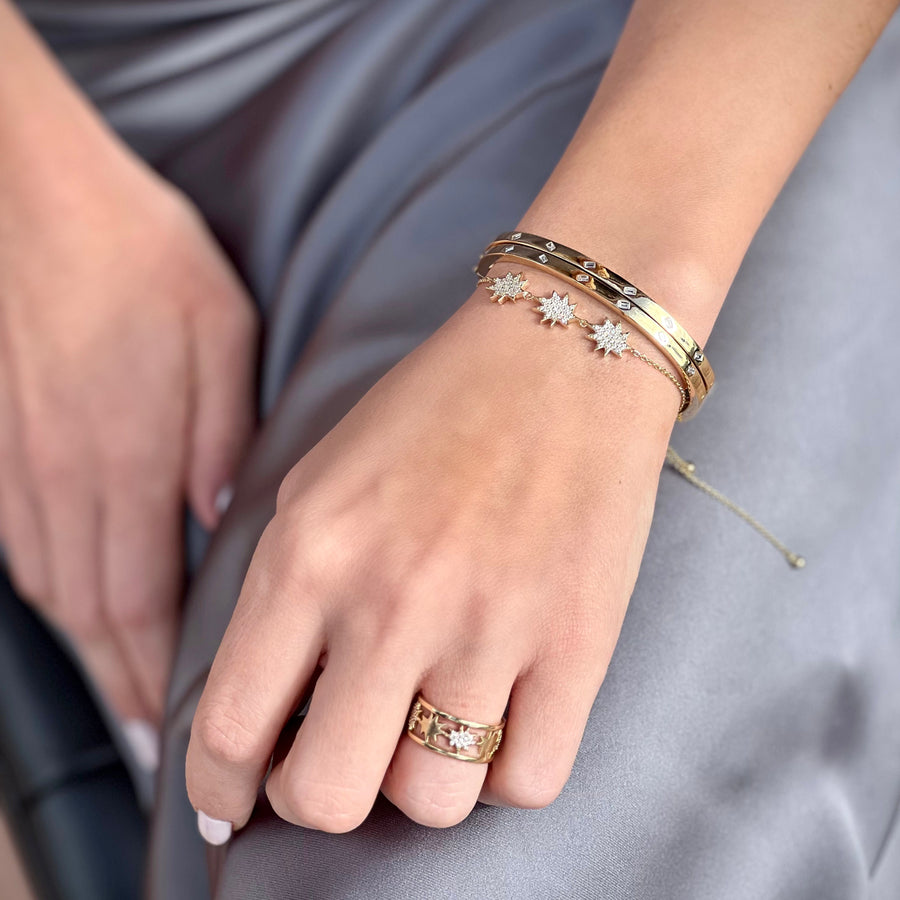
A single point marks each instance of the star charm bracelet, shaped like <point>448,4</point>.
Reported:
<point>556,309</point>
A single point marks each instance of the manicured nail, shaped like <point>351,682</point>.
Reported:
<point>223,499</point>
<point>214,831</point>
<point>143,738</point>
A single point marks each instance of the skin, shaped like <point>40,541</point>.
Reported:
<point>490,580</point>
<point>475,538</point>
<point>126,378</point>
<point>480,540</point>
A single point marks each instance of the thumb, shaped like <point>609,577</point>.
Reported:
<point>224,409</point>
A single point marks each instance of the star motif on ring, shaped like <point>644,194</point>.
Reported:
<point>462,739</point>
<point>509,287</point>
<point>430,725</point>
<point>556,309</point>
<point>610,338</point>
<point>414,716</point>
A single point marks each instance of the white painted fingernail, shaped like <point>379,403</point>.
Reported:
<point>213,831</point>
<point>224,498</point>
<point>143,738</point>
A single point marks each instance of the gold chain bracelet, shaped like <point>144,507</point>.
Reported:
<point>555,309</point>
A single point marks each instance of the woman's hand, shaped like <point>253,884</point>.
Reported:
<point>473,529</point>
<point>126,361</point>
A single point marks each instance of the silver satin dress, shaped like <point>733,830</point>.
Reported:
<point>353,157</point>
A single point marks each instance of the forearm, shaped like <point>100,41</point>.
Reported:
<point>704,110</point>
<point>54,146</point>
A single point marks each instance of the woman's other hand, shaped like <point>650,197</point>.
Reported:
<point>126,362</point>
<point>471,529</point>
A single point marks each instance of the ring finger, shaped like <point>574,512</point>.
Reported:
<point>429,787</point>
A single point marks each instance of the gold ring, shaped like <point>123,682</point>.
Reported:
<point>451,736</point>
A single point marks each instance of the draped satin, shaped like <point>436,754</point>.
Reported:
<point>353,156</point>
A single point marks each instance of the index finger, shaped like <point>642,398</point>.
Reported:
<point>268,654</point>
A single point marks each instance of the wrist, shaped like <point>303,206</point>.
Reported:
<point>522,357</point>
<point>57,154</point>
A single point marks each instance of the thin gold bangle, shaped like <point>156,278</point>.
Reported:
<point>623,288</point>
<point>583,278</point>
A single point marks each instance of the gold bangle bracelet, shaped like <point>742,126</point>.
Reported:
<point>584,278</point>
<point>623,288</point>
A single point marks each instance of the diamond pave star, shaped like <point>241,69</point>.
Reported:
<point>556,309</point>
<point>610,338</point>
<point>509,287</point>
<point>462,739</point>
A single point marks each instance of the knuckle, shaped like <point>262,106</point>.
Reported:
<point>323,559</point>
<point>226,739</point>
<point>277,568</point>
<point>308,547</point>
<point>325,806</point>
<point>432,574</point>
<point>289,492</point>
<point>437,805</point>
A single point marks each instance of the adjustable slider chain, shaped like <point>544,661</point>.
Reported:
<point>686,470</point>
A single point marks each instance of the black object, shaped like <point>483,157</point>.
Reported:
<point>71,805</point>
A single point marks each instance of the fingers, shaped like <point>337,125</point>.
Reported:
<point>224,388</point>
<point>545,725</point>
<point>436,790</point>
<point>72,518</point>
<point>256,681</point>
<point>57,541</point>
<point>141,573</point>
<point>332,773</point>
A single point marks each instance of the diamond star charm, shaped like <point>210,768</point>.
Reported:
<point>509,287</point>
<point>556,309</point>
<point>610,338</point>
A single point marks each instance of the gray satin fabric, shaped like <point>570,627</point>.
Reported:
<point>353,157</point>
